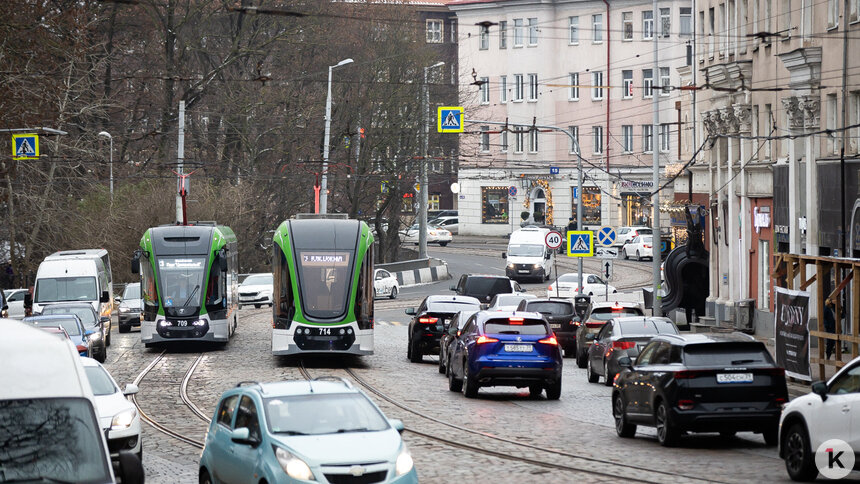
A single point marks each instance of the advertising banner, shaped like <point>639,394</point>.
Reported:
<point>791,328</point>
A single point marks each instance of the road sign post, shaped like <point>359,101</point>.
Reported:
<point>607,274</point>
<point>553,242</point>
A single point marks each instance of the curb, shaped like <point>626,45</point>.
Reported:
<point>423,275</point>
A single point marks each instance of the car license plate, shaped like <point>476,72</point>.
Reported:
<point>518,348</point>
<point>523,271</point>
<point>555,326</point>
<point>734,377</point>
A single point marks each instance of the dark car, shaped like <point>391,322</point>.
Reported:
<point>558,312</point>
<point>452,330</point>
<point>429,320</point>
<point>483,287</point>
<point>724,383</point>
<point>506,348</point>
<point>100,337</point>
<point>601,312</point>
<point>621,337</point>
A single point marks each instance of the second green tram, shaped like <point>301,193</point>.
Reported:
<point>189,283</point>
<point>323,287</point>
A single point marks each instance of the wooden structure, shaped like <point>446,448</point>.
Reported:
<point>790,273</point>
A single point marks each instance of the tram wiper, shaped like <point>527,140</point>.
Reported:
<point>191,296</point>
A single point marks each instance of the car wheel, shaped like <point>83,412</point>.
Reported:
<point>124,328</point>
<point>608,378</point>
<point>570,351</point>
<point>622,428</point>
<point>204,477</point>
<point>441,364</point>
<point>393,294</point>
<point>592,376</point>
<point>581,358</point>
<point>624,253</point>
<point>470,384</point>
<point>107,338</point>
<point>443,244</point>
<point>409,349</point>
<point>553,390</point>
<point>727,434</point>
<point>638,257</point>
<point>257,306</point>
<point>535,391</point>
<point>667,433</point>
<point>415,355</point>
<point>102,355</point>
<point>771,436</point>
<point>799,459</point>
<point>454,383</point>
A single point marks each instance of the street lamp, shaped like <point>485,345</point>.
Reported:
<point>323,196</point>
<point>424,188</point>
<point>105,134</point>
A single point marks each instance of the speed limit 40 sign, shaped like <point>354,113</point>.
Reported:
<point>553,240</point>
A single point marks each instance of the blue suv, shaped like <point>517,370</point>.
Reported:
<point>506,348</point>
<point>322,430</point>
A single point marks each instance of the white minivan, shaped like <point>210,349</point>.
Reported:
<point>528,256</point>
<point>76,276</point>
<point>48,409</point>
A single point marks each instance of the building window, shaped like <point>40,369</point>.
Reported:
<point>756,128</point>
<point>453,30</point>
<point>711,32</point>
<point>853,10</point>
<point>533,141</point>
<point>647,83</point>
<point>485,90</point>
<point>485,37</point>
<point>518,87</point>
<point>533,87</point>
<point>533,31</point>
<point>724,37</point>
<point>686,22</point>
<point>768,122</point>
<point>503,34</point>
<point>768,17</point>
<point>408,203</point>
<point>665,80</point>
<point>433,201</point>
<point>664,138</point>
<point>854,117</point>
<point>627,138</point>
<point>597,139</point>
<point>503,89</point>
<point>494,205</point>
<point>518,32</point>
<point>597,28</point>
<point>504,141</point>
<point>627,84</point>
<point>627,25</point>
<point>833,13</point>
<point>485,139</point>
<point>832,141</point>
<point>590,206</point>
<point>665,21</point>
<point>573,34</point>
<point>434,31</point>
<point>647,138</point>
<point>574,142</point>
<point>597,85</point>
<point>519,139</point>
<point>573,90</point>
<point>648,24</point>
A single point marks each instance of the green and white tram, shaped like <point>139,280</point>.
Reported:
<point>323,291</point>
<point>189,283</point>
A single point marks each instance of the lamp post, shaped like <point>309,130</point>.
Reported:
<point>105,134</point>
<point>424,189</point>
<point>324,181</point>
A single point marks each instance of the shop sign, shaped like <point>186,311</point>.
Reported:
<point>781,229</point>
<point>636,184</point>
<point>761,220</point>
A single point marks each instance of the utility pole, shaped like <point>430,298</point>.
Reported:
<point>656,238</point>
<point>180,159</point>
<point>423,183</point>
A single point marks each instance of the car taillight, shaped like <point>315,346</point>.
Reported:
<point>428,320</point>
<point>623,345</point>
<point>686,404</point>
<point>485,339</point>
<point>593,325</point>
<point>779,400</point>
<point>687,374</point>
<point>646,246</point>
<point>549,341</point>
<point>82,348</point>
<point>576,289</point>
<point>549,288</point>
<point>515,321</point>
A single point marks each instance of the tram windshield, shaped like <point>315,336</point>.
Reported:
<point>181,280</point>
<point>325,278</point>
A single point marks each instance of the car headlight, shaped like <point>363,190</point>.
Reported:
<point>292,465</point>
<point>511,266</point>
<point>123,309</point>
<point>404,462</point>
<point>123,420</point>
<point>536,266</point>
<point>97,335</point>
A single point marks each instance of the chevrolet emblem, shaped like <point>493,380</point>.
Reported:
<point>357,470</point>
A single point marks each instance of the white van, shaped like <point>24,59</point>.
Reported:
<point>48,409</point>
<point>76,276</point>
<point>527,255</point>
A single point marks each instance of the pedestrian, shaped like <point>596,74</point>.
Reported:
<point>571,224</point>
<point>829,326</point>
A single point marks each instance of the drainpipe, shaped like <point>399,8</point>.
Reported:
<point>608,92</point>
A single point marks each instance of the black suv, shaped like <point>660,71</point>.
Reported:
<point>429,321</point>
<point>558,312</point>
<point>724,383</point>
<point>484,287</point>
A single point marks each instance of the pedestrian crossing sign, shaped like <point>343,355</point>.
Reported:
<point>450,119</point>
<point>580,243</point>
<point>25,147</point>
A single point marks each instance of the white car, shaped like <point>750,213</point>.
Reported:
<point>451,224</point>
<point>385,284</point>
<point>117,415</point>
<point>15,301</point>
<point>435,235</point>
<point>641,246</point>
<point>829,412</point>
<point>256,289</point>
<point>568,286</point>
<point>508,302</point>
<point>626,234</point>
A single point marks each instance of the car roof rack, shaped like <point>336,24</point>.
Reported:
<point>333,378</point>
<point>247,383</point>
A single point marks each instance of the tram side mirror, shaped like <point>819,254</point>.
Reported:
<point>222,263</point>
<point>135,263</point>
<point>105,297</point>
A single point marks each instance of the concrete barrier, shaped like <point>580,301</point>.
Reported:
<point>418,272</point>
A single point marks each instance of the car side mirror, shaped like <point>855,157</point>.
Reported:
<point>130,389</point>
<point>105,297</point>
<point>104,320</point>
<point>453,288</point>
<point>117,300</point>
<point>820,388</point>
<point>547,255</point>
<point>397,424</point>
<point>453,331</point>
<point>410,311</point>
<point>625,362</point>
<point>504,255</point>
<point>89,332</point>
<point>243,436</point>
<point>130,468</point>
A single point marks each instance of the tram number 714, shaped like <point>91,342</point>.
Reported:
<point>325,331</point>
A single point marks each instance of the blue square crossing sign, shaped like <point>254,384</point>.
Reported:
<point>25,147</point>
<point>450,119</point>
<point>580,243</point>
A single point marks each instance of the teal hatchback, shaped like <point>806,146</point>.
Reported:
<point>323,431</point>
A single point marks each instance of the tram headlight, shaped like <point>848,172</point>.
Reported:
<point>404,462</point>
<point>123,420</point>
<point>199,322</point>
<point>163,323</point>
<point>292,465</point>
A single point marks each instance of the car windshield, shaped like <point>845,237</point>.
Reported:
<point>258,280</point>
<point>181,279</point>
<point>645,327</point>
<point>525,250</point>
<point>515,326</point>
<point>554,308</point>
<point>509,299</point>
<point>605,314</point>
<point>727,354</point>
<point>100,381</point>
<point>54,439</point>
<point>69,324</point>
<point>323,413</point>
<point>84,313</point>
<point>132,291</point>
<point>325,280</point>
<point>488,285</point>
<point>572,278</point>
<point>58,289</point>
<point>451,306</point>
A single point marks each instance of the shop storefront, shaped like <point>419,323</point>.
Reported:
<point>591,205</point>
<point>494,205</point>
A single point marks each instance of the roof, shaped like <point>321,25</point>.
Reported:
<point>494,276</point>
<point>302,387</point>
<point>700,338</point>
<point>452,299</point>
<point>49,317</point>
<point>483,316</point>
<point>609,304</point>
